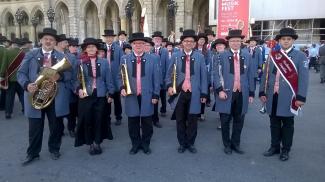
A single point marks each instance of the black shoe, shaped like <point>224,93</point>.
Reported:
<point>29,159</point>
<point>55,155</point>
<point>98,150</point>
<point>227,150</point>
<point>134,150</point>
<point>284,156</point>
<point>157,124</point>
<point>72,134</point>
<point>8,116</point>
<point>92,150</point>
<point>192,149</point>
<point>237,149</point>
<point>118,122</point>
<point>271,152</point>
<point>181,149</point>
<point>146,150</point>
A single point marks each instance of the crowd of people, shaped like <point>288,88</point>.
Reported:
<point>146,72</point>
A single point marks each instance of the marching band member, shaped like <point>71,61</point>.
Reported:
<point>143,79</point>
<point>45,56</point>
<point>237,90</point>
<point>284,89</point>
<point>11,61</point>
<point>113,55</point>
<point>162,52</point>
<point>191,90</point>
<point>95,91</point>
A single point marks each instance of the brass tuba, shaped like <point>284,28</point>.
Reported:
<point>125,78</point>
<point>47,89</point>
<point>174,77</point>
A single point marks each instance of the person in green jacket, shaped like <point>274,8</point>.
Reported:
<point>11,61</point>
<point>4,44</point>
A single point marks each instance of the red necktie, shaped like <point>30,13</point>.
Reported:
<point>138,75</point>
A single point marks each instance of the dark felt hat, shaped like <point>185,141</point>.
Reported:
<point>122,32</point>
<point>48,31</point>
<point>218,41</point>
<point>109,33</point>
<point>89,41</point>
<point>235,33</point>
<point>286,32</point>
<point>157,34</point>
<point>127,46</point>
<point>203,35</point>
<point>189,33</point>
<point>137,36</point>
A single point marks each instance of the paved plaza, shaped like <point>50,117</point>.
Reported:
<point>165,164</point>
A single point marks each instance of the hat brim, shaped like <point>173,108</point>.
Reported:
<point>41,35</point>
<point>122,34</point>
<point>106,35</point>
<point>214,44</point>
<point>157,36</point>
<point>205,38</point>
<point>186,36</point>
<point>84,45</point>
<point>135,39</point>
<point>239,36</point>
<point>277,37</point>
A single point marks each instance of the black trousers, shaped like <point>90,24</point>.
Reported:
<point>2,99</point>
<point>282,128</point>
<point>117,105</point>
<point>238,121</point>
<point>13,88</point>
<point>72,117</point>
<point>155,116</point>
<point>36,128</point>
<point>186,123</point>
<point>140,129</point>
<point>163,100</point>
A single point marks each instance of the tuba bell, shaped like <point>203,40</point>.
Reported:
<point>125,78</point>
<point>47,88</point>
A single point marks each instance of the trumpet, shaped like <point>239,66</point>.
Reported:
<point>174,76</point>
<point>267,67</point>
<point>125,78</point>
<point>82,80</point>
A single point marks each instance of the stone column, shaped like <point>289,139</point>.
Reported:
<point>82,29</point>
<point>179,19</point>
<point>32,33</point>
<point>17,30</point>
<point>101,24</point>
<point>123,23</point>
<point>3,31</point>
<point>115,25</point>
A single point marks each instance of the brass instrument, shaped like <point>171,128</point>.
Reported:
<point>82,80</point>
<point>47,88</point>
<point>174,77</point>
<point>267,67</point>
<point>125,78</point>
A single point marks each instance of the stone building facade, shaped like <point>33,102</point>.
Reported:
<point>85,18</point>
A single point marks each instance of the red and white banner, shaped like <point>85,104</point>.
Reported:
<point>232,14</point>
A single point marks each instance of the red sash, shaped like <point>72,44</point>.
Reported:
<point>289,72</point>
<point>12,68</point>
